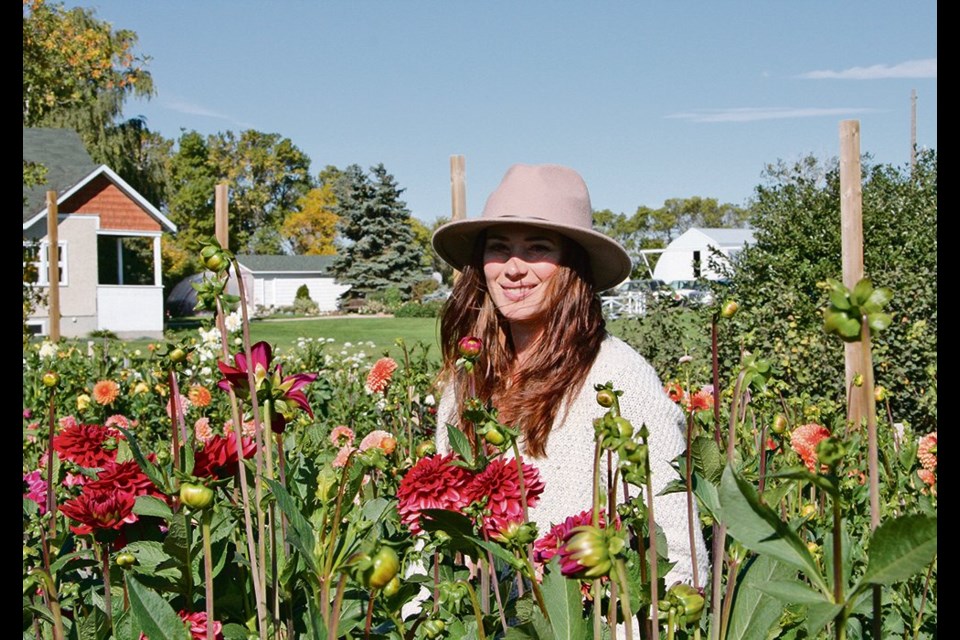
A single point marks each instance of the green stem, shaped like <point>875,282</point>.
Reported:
<point>923,599</point>
<point>837,553</point>
<point>496,590</point>
<point>690,521</point>
<point>671,623</point>
<point>331,545</point>
<point>107,596</point>
<point>728,598</point>
<point>621,571</point>
<point>334,621</point>
<point>597,626</point>
<point>537,592</point>
<point>477,612</point>
<point>652,528</point>
<point>255,563</point>
<point>205,518</point>
<point>51,494</point>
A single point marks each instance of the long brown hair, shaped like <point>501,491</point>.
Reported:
<point>528,396</point>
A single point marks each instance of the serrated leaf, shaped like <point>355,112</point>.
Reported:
<point>460,444</point>
<point>758,528</point>
<point>754,612</point>
<point>148,468</point>
<point>564,605</point>
<point>707,458</point>
<point>152,506</point>
<point>60,562</point>
<point>706,492</point>
<point>149,553</point>
<point>300,533</point>
<point>154,616</point>
<point>900,548</point>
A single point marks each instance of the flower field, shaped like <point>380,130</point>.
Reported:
<point>217,488</point>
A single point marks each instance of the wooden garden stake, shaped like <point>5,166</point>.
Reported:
<point>458,193</point>
<point>857,354</point>
<point>53,267</point>
<point>221,219</point>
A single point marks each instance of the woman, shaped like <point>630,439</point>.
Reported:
<point>531,270</point>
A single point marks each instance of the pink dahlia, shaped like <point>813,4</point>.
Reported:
<point>500,485</point>
<point>117,420</point>
<point>433,483</point>
<point>341,435</point>
<point>379,440</point>
<point>36,489</point>
<point>927,451</point>
<point>675,391</point>
<point>88,445</point>
<point>202,430</point>
<point>804,441</point>
<point>342,455</point>
<point>548,546</point>
<point>197,622</point>
<point>380,374</point>
<point>124,477</point>
<point>67,421</point>
<point>700,401</point>
<point>927,476</point>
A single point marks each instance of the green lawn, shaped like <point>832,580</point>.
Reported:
<point>381,331</point>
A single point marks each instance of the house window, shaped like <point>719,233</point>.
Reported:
<point>125,260</point>
<point>36,263</point>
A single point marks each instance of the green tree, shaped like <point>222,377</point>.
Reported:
<point>778,280</point>
<point>381,250</point>
<point>267,175</point>
<point>77,73</point>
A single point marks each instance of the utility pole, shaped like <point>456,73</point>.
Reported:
<point>913,130</point>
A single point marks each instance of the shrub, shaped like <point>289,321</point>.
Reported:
<point>303,293</point>
<point>305,306</point>
<point>429,309</point>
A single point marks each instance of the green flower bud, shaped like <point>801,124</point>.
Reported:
<point>729,309</point>
<point>51,379</point>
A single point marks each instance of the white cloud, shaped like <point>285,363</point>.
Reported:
<point>926,68</point>
<point>189,108</point>
<point>751,114</point>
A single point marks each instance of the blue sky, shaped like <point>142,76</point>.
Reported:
<point>649,100</point>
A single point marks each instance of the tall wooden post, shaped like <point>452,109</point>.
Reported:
<point>458,188</point>
<point>221,218</point>
<point>851,241</point>
<point>458,192</point>
<point>53,267</point>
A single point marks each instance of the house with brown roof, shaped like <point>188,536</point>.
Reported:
<point>108,237</point>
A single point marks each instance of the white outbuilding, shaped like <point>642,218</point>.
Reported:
<point>688,256</point>
<point>274,280</point>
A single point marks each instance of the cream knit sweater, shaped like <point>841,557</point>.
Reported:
<point>567,469</point>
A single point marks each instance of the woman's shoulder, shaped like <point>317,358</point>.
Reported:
<point>617,355</point>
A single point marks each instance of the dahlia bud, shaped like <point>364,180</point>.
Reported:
<point>729,309</point>
<point>880,393</point>
<point>858,380</point>
<point>688,601</point>
<point>426,448</point>
<point>779,425</point>
<point>605,398</point>
<point>51,379</point>
<point>589,552</point>
<point>470,347</point>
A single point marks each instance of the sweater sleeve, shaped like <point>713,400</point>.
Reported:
<point>644,402</point>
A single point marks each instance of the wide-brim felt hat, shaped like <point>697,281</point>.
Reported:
<point>548,196</point>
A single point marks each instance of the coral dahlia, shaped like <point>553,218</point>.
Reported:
<point>804,441</point>
<point>106,392</point>
<point>380,374</point>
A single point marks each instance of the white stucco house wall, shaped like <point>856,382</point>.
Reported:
<point>687,257</point>
<point>274,280</point>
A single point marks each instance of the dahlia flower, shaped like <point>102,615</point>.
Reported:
<point>218,458</point>
<point>197,622</point>
<point>380,440</point>
<point>199,396</point>
<point>36,489</point>
<point>100,510</point>
<point>433,483</point>
<point>501,487</point>
<point>105,392</point>
<point>675,391</point>
<point>88,445</point>
<point>804,441</point>
<point>341,435</point>
<point>202,430</point>
<point>380,374</point>
<point>548,546</point>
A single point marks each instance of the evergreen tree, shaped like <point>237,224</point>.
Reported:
<point>381,250</point>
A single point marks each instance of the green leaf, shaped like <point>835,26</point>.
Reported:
<point>234,631</point>
<point>861,292</point>
<point>460,444</point>
<point>154,615</point>
<point>802,474</point>
<point>149,553</point>
<point>759,529</point>
<point>878,299</point>
<point>818,615</point>
<point>900,548</point>
<point>84,554</point>
<point>709,498</point>
<point>839,299</point>
<point>146,466</point>
<point>755,612</point>
<point>300,533</point>
<point>707,458</point>
<point>152,506</point>
<point>792,591</point>
<point>564,605</point>
<point>879,321</point>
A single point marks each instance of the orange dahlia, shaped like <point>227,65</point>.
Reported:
<point>380,375</point>
<point>804,441</point>
<point>105,392</point>
<point>380,440</point>
<point>199,396</point>
<point>927,451</point>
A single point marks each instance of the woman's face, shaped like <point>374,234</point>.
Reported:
<point>518,261</point>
